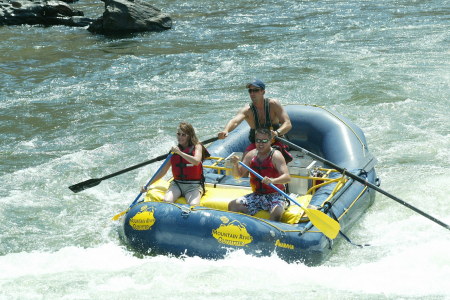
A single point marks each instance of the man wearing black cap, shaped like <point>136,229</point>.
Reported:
<point>261,113</point>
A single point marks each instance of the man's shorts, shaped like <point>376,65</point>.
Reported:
<point>256,202</point>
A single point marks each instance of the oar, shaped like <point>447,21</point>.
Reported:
<point>116,217</point>
<point>95,181</point>
<point>363,181</point>
<point>323,222</point>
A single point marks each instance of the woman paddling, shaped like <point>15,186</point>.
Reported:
<point>187,168</point>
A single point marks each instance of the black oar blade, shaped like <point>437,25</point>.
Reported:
<point>93,182</point>
<point>84,185</point>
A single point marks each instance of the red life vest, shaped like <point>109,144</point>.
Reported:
<point>264,168</point>
<point>183,169</point>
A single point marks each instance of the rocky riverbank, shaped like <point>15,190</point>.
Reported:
<point>119,17</point>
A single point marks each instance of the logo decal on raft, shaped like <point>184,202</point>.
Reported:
<point>144,219</point>
<point>233,233</point>
<point>284,245</point>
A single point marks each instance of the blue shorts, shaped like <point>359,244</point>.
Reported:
<point>256,202</point>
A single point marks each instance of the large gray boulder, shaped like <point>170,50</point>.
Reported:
<point>40,12</point>
<point>128,16</point>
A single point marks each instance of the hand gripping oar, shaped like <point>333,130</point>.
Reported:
<point>95,181</point>
<point>323,222</point>
<point>116,217</point>
<point>363,181</point>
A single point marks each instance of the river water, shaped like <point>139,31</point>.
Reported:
<point>75,106</point>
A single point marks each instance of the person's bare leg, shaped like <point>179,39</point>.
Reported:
<point>276,213</point>
<point>237,206</point>
<point>193,198</point>
<point>172,194</point>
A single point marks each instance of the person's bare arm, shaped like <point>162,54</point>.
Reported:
<point>158,176</point>
<point>238,170</point>
<point>162,172</point>
<point>282,116</point>
<point>233,123</point>
<point>195,159</point>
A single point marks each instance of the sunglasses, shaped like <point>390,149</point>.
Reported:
<point>181,134</point>
<point>261,141</point>
<point>253,90</point>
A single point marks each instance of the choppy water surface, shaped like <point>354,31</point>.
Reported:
<point>75,106</point>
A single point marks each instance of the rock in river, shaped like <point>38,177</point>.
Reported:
<point>128,16</point>
<point>40,12</point>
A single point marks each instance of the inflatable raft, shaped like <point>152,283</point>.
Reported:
<point>211,231</point>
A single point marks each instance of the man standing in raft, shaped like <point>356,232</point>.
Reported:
<point>261,113</point>
<point>271,165</point>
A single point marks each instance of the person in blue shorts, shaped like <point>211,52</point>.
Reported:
<point>271,165</point>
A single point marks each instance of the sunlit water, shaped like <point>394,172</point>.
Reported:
<point>75,106</point>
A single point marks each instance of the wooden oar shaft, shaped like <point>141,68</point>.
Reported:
<point>116,217</point>
<point>363,181</point>
<point>95,181</point>
<point>161,157</point>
